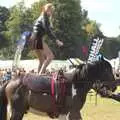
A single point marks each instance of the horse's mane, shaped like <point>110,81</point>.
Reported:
<point>80,74</point>
<point>86,71</point>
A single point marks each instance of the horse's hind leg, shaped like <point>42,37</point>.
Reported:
<point>16,116</point>
<point>17,112</point>
<point>17,109</point>
<point>19,104</point>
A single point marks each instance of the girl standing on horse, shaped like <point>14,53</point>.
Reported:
<point>42,27</point>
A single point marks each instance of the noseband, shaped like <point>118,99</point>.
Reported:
<point>101,88</point>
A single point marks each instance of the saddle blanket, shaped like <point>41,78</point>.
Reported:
<point>37,83</point>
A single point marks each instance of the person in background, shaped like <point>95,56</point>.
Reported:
<point>7,75</point>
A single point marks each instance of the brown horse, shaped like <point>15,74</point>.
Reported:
<point>66,98</point>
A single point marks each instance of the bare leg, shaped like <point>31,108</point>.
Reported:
<point>41,57</point>
<point>39,67</point>
<point>44,66</point>
<point>41,61</point>
<point>49,57</point>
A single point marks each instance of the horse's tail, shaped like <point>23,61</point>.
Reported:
<point>3,103</point>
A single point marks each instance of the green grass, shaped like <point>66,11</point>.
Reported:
<point>106,109</point>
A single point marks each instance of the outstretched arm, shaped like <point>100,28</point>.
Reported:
<point>48,29</point>
<point>50,32</point>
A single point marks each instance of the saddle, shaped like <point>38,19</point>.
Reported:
<point>53,85</point>
<point>50,84</point>
<point>37,83</point>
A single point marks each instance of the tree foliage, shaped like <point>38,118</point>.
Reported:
<point>4,14</point>
<point>68,19</point>
<point>70,22</point>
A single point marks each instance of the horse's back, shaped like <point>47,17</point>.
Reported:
<point>37,83</point>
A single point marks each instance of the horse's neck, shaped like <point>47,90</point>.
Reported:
<point>69,75</point>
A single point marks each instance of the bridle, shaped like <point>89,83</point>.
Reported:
<point>102,88</point>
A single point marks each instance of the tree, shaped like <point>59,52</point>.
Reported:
<point>69,22</point>
<point>21,19</point>
<point>4,14</point>
<point>36,8</point>
<point>68,19</point>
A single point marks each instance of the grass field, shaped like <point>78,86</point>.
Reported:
<point>105,109</point>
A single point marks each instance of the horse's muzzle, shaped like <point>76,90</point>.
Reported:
<point>106,91</point>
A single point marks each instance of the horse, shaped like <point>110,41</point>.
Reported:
<point>114,96</point>
<point>57,104</point>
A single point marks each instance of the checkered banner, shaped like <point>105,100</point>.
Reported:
<point>94,49</point>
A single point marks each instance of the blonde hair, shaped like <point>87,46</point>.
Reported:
<point>48,6</point>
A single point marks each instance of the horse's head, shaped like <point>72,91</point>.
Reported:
<point>98,75</point>
<point>103,76</point>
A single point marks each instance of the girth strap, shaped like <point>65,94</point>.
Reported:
<point>58,91</point>
<point>53,80</point>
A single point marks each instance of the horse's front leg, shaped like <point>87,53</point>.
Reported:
<point>71,116</point>
<point>62,117</point>
<point>74,115</point>
<point>77,104</point>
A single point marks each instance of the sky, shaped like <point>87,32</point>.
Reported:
<point>105,12</point>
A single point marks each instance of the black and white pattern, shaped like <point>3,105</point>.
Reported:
<point>95,48</point>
